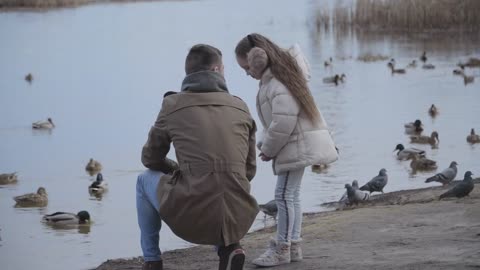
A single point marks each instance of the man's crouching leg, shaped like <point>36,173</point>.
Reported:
<point>149,219</point>
<point>232,257</point>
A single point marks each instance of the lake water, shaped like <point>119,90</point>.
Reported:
<point>100,72</point>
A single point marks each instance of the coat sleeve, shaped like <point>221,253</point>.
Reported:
<point>285,111</point>
<point>155,150</point>
<point>252,156</point>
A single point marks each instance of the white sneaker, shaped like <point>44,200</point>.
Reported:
<point>296,254</point>
<point>276,254</point>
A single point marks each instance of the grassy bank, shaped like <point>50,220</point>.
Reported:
<point>401,14</point>
<point>9,5</point>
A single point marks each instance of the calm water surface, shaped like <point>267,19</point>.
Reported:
<point>100,72</point>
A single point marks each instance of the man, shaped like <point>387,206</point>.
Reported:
<point>207,199</point>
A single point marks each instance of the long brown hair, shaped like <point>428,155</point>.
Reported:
<point>284,68</point>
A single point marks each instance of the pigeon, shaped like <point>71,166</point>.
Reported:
<point>377,183</point>
<point>355,195</point>
<point>446,176</point>
<point>462,189</point>
<point>406,153</point>
<point>270,208</point>
<point>344,197</point>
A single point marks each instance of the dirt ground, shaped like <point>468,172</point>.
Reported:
<point>400,230</point>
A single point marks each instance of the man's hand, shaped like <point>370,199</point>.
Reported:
<point>264,157</point>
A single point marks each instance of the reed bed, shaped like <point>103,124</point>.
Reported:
<point>403,15</point>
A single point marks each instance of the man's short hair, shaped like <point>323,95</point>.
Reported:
<point>202,57</point>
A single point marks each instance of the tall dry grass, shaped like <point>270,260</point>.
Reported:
<point>403,14</point>
<point>6,4</point>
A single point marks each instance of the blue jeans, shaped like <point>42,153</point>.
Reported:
<point>287,196</point>
<point>147,212</point>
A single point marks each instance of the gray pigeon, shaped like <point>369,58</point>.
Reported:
<point>462,189</point>
<point>446,176</point>
<point>377,183</point>
<point>270,208</point>
<point>355,195</point>
<point>344,197</point>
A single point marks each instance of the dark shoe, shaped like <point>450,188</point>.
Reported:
<point>231,258</point>
<point>153,265</point>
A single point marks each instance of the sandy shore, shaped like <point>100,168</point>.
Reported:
<point>399,230</point>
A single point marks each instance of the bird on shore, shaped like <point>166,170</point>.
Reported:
<point>433,139</point>
<point>8,178</point>
<point>335,79</point>
<point>446,176</point>
<point>93,166</point>
<point>473,138</point>
<point>433,111</point>
<point>377,183</point>
<point>461,189</point>
<point>415,127</point>
<point>422,164</point>
<point>43,124</point>
<point>65,218</point>
<point>344,197</point>
<point>423,57</point>
<point>391,65</point>
<point>99,186</point>
<point>32,199</point>
<point>270,208</point>
<point>355,195</point>
<point>406,153</point>
<point>29,78</point>
<point>412,64</point>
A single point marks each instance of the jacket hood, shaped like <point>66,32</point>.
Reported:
<point>204,81</point>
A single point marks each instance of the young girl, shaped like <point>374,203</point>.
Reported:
<point>295,134</point>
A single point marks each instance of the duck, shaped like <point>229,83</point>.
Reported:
<point>406,153</point>
<point>423,57</point>
<point>270,208</point>
<point>422,164</point>
<point>472,62</point>
<point>65,218</point>
<point>433,111</point>
<point>422,139</point>
<point>468,79</point>
<point>412,64</point>
<point>99,186</point>
<point>319,167</point>
<point>428,66</point>
<point>335,79</point>
<point>29,77</point>
<point>391,65</point>
<point>32,199</point>
<point>459,71</point>
<point>377,183</point>
<point>473,138</point>
<point>8,178</point>
<point>415,127</point>
<point>328,63</point>
<point>93,166</point>
<point>44,124</point>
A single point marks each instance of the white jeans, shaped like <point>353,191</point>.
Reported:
<point>287,196</point>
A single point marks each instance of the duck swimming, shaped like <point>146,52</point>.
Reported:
<point>428,66</point>
<point>422,164</point>
<point>391,65</point>
<point>414,127</point>
<point>433,111</point>
<point>407,153</point>
<point>29,77</point>
<point>65,218</point>
<point>93,166</point>
<point>99,186</point>
<point>43,124</point>
<point>468,79</point>
<point>413,64</point>
<point>32,199</point>
<point>421,139</point>
<point>334,79</point>
<point>473,138</point>
<point>8,178</point>
<point>423,57</point>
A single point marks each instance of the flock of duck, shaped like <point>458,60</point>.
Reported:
<point>467,79</point>
<point>40,198</point>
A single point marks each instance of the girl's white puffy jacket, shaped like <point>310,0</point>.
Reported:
<point>289,136</point>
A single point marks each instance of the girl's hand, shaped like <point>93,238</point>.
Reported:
<point>264,157</point>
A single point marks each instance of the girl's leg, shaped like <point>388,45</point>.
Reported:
<point>298,219</point>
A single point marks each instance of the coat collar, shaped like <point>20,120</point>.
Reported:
<point>204,81</point>
<point>266,76</point>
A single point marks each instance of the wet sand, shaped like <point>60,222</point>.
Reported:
<point>408,229</point>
